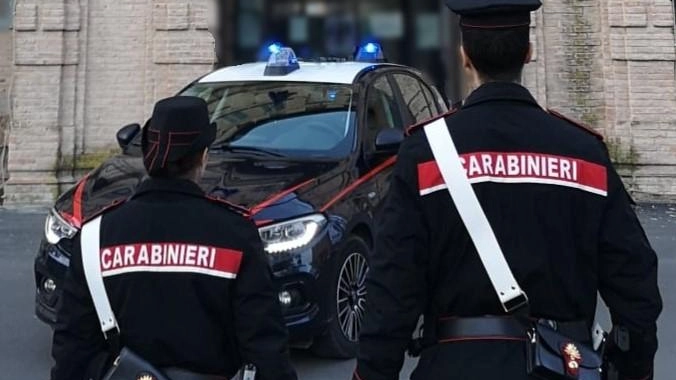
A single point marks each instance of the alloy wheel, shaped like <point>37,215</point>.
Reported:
<point>351,295</point>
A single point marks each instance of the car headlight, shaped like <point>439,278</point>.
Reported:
<point>292,234</point>
<point>56,228</point>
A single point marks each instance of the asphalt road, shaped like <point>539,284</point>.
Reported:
<point>25,342</point>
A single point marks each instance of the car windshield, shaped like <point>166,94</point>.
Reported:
<point>314,120</point>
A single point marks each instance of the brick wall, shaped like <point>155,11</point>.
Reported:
<point>641,70</point>
<point>85,68</point>
<point>611,64</point>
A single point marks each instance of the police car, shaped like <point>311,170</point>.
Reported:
<point>305,149</point>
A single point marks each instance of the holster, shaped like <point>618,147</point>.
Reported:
<point>417,345</point>
<point>619,362</point>
<point>426,336</point>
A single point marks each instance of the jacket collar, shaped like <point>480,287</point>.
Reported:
<point>182,186</point>
<point>493,91</point>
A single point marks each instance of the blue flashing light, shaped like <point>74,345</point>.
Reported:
<point>370,52</point>
<point>282,62</point>
<point>371,48</point>
<point>275,48</point>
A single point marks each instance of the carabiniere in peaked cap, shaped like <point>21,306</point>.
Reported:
<point>179,127</point>
<point>493,14</point>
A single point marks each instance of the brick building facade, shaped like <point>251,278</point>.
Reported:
<point>611,64</point>
<point>84,68</point>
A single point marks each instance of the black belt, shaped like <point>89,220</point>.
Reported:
<point>181,374</point>
<point>480,328</point>
<point>503,328</point>
<point>493,328</point>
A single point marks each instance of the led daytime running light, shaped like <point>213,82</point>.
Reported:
<point>290,235</point>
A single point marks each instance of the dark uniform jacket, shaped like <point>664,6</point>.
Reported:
<point>560,213</point>
<point>189,284</point>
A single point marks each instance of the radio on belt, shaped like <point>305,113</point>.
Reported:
<point>283,61</point>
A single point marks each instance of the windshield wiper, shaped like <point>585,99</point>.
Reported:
<point>248,150</point>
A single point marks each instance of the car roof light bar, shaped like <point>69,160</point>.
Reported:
<point>283,61</point>
<point>370,52</point>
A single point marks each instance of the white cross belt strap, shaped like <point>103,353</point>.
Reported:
<point>91,262</point>
<point>446,155</point>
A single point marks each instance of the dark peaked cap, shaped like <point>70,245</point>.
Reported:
<point>493,14</point>
<point>179,127</point>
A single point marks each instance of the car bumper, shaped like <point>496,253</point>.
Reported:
<point>297,276</point>
<point>50,267</point>
<point>303,289</point>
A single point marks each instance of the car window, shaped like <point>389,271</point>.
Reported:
<point>418,104</point>
<point>292,119</point>
<point>320,131</point>
<point>429,98</point>
<point>381,107</point>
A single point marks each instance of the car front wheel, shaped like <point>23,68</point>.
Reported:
<point>348,302</point>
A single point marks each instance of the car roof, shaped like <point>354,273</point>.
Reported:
<point>311,72</point>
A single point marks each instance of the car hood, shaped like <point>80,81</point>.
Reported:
<point>257,186</point>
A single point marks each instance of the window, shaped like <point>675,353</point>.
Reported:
<point>417,98</point>
<point>302,120</point>
<point>381,107</point>
<point>6,13</point>
<point>431,100</point>
<point>381,111</point>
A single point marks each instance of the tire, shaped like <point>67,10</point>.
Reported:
<point>346,308</point>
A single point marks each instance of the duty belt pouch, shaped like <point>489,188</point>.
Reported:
<point>128,365</point>
<point>550,354</point>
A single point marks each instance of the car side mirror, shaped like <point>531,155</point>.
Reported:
<point>127,133</point>
<point>388,140</point>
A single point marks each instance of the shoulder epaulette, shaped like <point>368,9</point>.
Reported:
<point>576,123</point>
<point>231,206</point>
<point>410,130</point>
